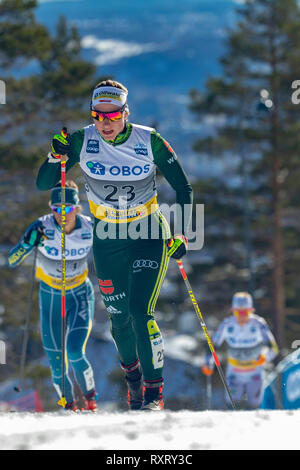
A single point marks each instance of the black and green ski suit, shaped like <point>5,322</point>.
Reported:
<point>130,232</point>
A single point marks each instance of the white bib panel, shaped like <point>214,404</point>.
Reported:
<point>78,245</point>
<point>118,177</point>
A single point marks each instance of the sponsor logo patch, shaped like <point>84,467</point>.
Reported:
<point>113,298</point>
<point>49,234</point>
<point>106,286</point>
<point>112,310</point>
<point>86,236</point>
<point>98,169</point>
<point>145,263</point>
<point>141,149</point>
<point>51,250</point>
<point>92,146</point>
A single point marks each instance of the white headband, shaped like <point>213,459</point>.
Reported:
<point>109,94</point>
<point>242,300</point>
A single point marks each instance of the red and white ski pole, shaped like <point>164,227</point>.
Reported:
<point>203,325</point>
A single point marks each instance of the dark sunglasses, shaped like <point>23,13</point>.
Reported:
<point>112,116</point>
<point>58,209</point>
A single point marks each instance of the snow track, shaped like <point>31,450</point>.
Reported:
<point>167,430</point>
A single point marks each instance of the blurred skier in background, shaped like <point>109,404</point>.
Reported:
<point>251,345</point>
<point>45,234</point>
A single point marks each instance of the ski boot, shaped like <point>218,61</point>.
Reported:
<point>133,377</point>
<point>153,399</point>
<point>91,402</point>
<point>72,406</point>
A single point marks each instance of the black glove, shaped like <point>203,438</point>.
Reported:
<point>34,235</point>
<point>177,246</point>
<point>60,143</point>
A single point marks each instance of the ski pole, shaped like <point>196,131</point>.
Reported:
<point>203,325</point>
<point>62,402</point>
<point>18,388</point>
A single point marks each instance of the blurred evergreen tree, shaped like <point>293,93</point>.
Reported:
<point>66,80</point>
<point>41,103</point>
<point>21,38</point>
<point>48,85</point>
<point>256,134</point>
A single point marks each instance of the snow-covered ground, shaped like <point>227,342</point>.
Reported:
<point>166,430</point>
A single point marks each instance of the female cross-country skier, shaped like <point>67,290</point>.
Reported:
<point>45,234</point>
<point>250,345</point>
<point>132,243</point>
